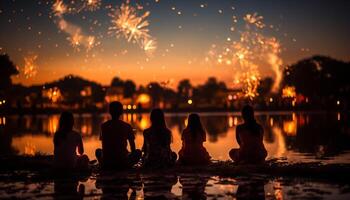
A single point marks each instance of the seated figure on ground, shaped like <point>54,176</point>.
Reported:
<point>115,134</point>
<point>157,140</point>
<point>249,136</point>
<point>193,151</point>
<point>66,141</point>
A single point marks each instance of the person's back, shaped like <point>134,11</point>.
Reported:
<point>114,136</point>
<point>157,140</point>
<point>66,142</point>
<point>65,150</point>
<point>157,143</point>
<point>190,141</point>
<point>193,136</point>
<point>249,136</point>
<point>251,141</point>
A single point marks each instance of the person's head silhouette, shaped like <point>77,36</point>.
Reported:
<point>115,109</point>
<point>157,118</point>
<point>248,113</point>
<point>194,124</point>
<point>65,125</point>
<point>66,122</point>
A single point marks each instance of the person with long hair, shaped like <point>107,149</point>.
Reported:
<point>193,136</point>
<point>157,140</point>
<point>66,142</point>
<point>249,136</point>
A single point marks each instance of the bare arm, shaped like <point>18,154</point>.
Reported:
<point>261,133</point>
<point>238,132</point>
<point>132,140</point>
<point>80,146</point>
<point>144,147</point>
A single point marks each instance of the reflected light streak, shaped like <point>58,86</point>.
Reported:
<point>281,143</point>
<point>2,120</point>
<point>29,149</point>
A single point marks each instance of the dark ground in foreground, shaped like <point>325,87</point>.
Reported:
<point>33,177</point>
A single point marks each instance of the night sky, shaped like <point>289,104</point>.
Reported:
<point>185,32</point>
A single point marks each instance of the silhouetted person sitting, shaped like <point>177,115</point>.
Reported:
<point>157,140</point>
<point>193,151</point>
<point>249,136</point>
<point>66,141</point>
<point>115,134</point>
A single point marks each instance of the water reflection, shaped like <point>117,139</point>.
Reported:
<point>295,136</point>
<point>159,186</point>
<point>171,186</point>
<point>119,186</point>
<point>68,189</point>
<point>193,187</point>
<point>251,190</point>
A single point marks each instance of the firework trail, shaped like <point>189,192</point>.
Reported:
<point>127,23</point>
<point>76,37</point>
<point>30,68</point>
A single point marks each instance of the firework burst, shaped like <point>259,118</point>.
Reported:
<point>127,23</point>
<point>252,50</point>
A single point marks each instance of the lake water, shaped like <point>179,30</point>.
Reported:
<point>295,137</point>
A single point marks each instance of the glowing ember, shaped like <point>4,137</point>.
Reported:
<point>289,92</point>
<point>92,5</point>
<point>59,8</point>
<point>53,94</point>
<point>30,68</point>
<point>251,81</point>
<point>255,19</point>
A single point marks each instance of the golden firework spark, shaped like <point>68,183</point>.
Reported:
<point>127,23</point>
<point>75,40</point>
<point>30,68</point>
<point>90,40</point>
<point>149,45</point>
<point>255,19</point>
<point>251,80</point>
<point>92,5</point>
<point>59,8</point>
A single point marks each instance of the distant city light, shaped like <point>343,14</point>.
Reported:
<point>143,98</point>
<point>338,102</point>
<point>190,101</point>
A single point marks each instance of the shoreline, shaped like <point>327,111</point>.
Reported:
<point>42,165</point>
<point>177,111</point>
